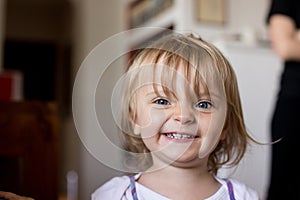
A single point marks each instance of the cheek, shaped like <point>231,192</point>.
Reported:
<point>143,118</point>
<point>211,135</point>
<point>143,115</point>
<point>203,125</point>
<point>151,121</point>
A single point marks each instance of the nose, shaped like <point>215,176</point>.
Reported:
<point>184,115</point>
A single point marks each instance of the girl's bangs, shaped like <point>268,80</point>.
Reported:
<point>200,67</point>
<point>195,74</point>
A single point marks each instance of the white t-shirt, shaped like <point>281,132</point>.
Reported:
<point>118,188</point>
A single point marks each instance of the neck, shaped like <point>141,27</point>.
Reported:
<point>194,168</point>
<point>175,173</point>
<point>177,182</point>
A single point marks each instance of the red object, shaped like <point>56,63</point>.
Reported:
<point>11,86</point>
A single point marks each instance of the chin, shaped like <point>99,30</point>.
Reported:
<point>188,163</point>
<point>185,160</point>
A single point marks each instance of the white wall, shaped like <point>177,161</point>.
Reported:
<point>94,21</point>
<point>241,15</point>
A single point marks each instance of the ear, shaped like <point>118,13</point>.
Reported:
<point>223,135</point>
<point>136,129</point>
<point>134,125</point>
<point>224,131</point>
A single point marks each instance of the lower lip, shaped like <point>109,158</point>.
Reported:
<point>180,140</point>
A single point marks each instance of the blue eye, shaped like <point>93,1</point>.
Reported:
<point>204,105</point>
<point>162,102</point>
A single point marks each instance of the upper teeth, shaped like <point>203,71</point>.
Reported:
<point>179,136</point>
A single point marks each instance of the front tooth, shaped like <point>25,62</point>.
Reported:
<point>179,136</point>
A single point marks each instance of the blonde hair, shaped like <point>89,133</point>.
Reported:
<point>210,64</point>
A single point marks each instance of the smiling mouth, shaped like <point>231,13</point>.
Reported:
<point>179,136</point>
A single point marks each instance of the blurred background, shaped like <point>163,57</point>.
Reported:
<point>42,46</point>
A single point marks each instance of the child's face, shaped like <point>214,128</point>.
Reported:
<point>181,125</point>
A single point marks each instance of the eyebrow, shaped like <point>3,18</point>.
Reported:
<point>159,91</point>
<point>214,95</point>
<point>211,95</point>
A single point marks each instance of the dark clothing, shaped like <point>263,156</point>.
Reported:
<point>285,178</point>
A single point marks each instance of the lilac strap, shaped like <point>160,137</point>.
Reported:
<point>230,189</point>
<point>133,188</point>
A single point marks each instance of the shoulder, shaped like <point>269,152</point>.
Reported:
<point>115,188</point>
<point>242,191</point>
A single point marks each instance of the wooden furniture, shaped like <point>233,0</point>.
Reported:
<point>29,149</point>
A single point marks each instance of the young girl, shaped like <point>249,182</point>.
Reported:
<point>182,120</point>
